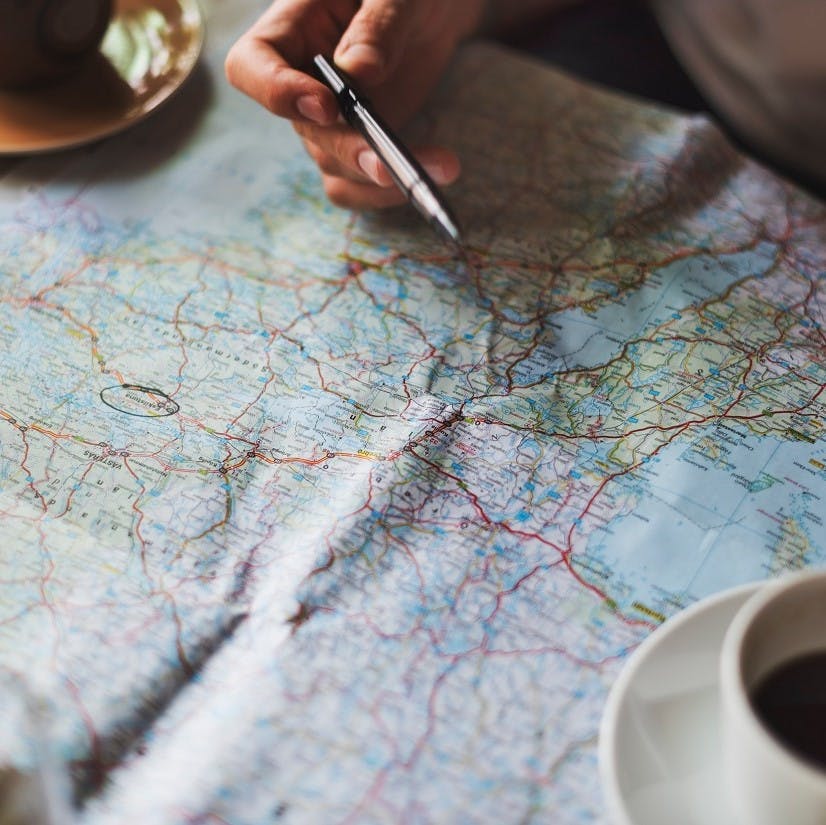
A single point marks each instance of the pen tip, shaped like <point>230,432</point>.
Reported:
<point>450,231</point>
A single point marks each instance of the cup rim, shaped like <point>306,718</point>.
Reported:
<point>732,682</point>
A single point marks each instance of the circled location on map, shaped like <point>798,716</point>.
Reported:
<point>134,399</point>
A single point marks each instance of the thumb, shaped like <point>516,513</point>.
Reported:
<point>371,47</point>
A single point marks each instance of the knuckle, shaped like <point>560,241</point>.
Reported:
<point>337,192</point>
<point>312,150</point>
<point>325,163</point>
<point>334,151</point>
<point>328,164</point>
<point>375,20</point>
<point>231,65</point>
<point>344,148</point>
<point>271,95</point>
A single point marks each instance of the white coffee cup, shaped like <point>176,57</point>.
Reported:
<point>767,782</point>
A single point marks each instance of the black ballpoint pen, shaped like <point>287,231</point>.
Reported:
<point>405,170</point>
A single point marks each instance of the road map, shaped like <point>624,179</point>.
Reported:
<point>308,518</point>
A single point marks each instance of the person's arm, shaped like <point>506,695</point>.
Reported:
<point>395,49</point>
<point>507,14</point>
<point>762,65</point>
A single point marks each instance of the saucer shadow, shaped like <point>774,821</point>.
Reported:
<point>165,132</point>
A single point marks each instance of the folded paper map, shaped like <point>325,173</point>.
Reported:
<point>307,517</point>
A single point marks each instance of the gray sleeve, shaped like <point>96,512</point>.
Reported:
<point>762,63</point>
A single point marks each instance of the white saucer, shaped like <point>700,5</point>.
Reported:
<point>659,754</point>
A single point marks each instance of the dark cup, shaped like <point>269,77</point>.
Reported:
<point>41,40</point>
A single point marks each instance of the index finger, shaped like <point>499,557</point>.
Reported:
<point>258,70</point>
<point>266,62</point>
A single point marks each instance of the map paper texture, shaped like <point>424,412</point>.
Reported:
<point>307,518</point>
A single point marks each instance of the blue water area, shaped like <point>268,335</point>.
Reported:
<point>591,338</point>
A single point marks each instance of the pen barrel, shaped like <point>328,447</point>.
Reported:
<point>407,173</point>
<point>403,168</point>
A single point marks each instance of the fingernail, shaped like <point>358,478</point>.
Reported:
<point>438,172</point>
<point>311,108</point>
<point>371,166</point>
<point>360,54</point>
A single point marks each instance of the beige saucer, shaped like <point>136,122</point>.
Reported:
<point>150,48</point>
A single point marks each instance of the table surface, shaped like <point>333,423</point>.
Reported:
<point>313,520</point>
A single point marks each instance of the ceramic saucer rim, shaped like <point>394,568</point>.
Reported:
<point>615,802</point>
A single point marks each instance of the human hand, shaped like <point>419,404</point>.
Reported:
<point>395,50</point>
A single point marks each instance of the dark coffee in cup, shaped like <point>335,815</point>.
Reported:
<point>41,40</point>
<point>791,702</point>
<point>772,710</point>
